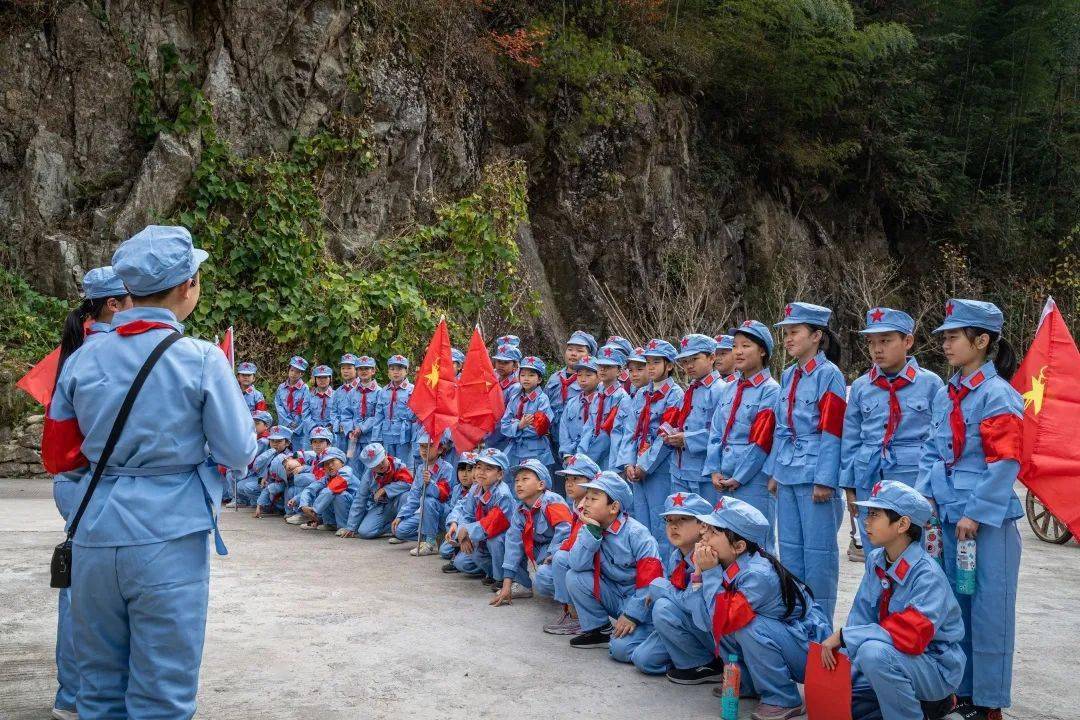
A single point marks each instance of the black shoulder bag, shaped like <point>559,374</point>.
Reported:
<point>61,559</point>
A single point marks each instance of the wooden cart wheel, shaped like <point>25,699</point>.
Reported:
<point>1043,523</point>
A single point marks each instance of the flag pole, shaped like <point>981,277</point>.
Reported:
<point>423,502</point>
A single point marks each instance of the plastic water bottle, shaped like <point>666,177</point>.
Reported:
<point>729,698</point>
<point>965,567</point>
<point>934,546</point>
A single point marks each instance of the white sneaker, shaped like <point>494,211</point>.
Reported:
<point>395,540</point>
<point>425,548</point>
<point>297,519</point>
<point>340,532</point>
<point>519,591</point>
<point>58,714</point>
<point>230,505</point>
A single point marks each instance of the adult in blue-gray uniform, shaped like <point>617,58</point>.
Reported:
<point>104,295</point>
<point>140,566</point>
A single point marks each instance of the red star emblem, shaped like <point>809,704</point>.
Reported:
<point>787,310</point>
<point>719,504</point>
<point>639,351</point>
<point>570,461</point>
<point>371,453</point>
<point>948,309</point>
<point>876,489</point>
<point>502,349</point>
<point>607,352</point>
<point>677,500</point>
<point>685,342</point>
<point>586,359</point>
<point>652,344</point>
<point>747,323</point>
<point>877,315</point>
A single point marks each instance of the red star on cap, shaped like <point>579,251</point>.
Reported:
<point>607,352</point>
<point>677,499</point>
<point>685,342</point>
<point>652,344</point>
<point>571,460</point>
<point>747,323</point>
<point>948,309</point>
<point>877,315</point>
<point>503,348</point>
<point>787,310</point>
<point>876,489</point>
<point>371,453</point>
<point>719,504</point>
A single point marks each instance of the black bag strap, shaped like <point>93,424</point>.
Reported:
<point>118,424</point>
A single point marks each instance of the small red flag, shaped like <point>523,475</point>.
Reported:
<point>41,379</point>
<point>1049,380</point>
<point>226,346</point>
<point>434,398</point>
<point>479,396</point>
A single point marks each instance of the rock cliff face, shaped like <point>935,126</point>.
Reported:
<point>76,177</point>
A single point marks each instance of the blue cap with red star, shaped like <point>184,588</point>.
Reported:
<point>800,313</point>
<point>883,320</point>
<point>960,313</point>
<point>681,503</point>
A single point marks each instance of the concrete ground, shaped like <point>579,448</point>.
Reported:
<point>303,625</point>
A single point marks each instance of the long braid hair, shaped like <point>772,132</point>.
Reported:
<point>793,590</point>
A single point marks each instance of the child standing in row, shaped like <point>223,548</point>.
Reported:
<point>888,411</point>
<point>970,465</point>
<point>528,418</point>
<point>245,375</point>
<point>744,423</point>
<point>394,423</point>
<point>291,398</point>
<point>723,361</point>
<point>644,456</point>
<point>562,386</point>
<point>320,406</point>
<point>507,358</point>
<point>343,406</point>
<point>604,431</point>
<point>578,411</point>
<point>689,426</point>
<point>805,459</point>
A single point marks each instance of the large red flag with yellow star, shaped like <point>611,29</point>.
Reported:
<point>1049,380</point>
<point>479,396</point>
<point>434,398</point>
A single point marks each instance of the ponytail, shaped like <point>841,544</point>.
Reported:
<point>1005,359</point>
<point>830,343</point>
<point>73,336</point>
<point>793,591</point>
<point>1004,356</point>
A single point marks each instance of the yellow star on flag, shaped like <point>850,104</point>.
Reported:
<point>433,376</point>
<point>1034,396</point>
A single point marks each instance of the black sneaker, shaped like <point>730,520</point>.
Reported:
<point>450,568</point>
<point>488,580</point>
<point>597,638</point>
<point>966,711</point>
<point>938,709</point>
<point>700,675</point>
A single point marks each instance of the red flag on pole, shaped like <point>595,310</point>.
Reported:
<point>434,398</point>
<point>1049,380</point>
<point>226,346</point>
<point>41,378</point>
<point>479,396</point>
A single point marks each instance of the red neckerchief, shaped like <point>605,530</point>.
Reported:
<point>687,404</point>
<point>586,401</point>
<point>294,409</point>
<point>956,420</point>
<point>138,327</point>
<point>505,382</point>
<point>565,381</point>
<point>895,413</point>
<point>318,470</point>
<point>321,396</point>
<point>886,593</point>
<point>641,432</point>
<point>599,413</point>
<point>528,531</point>
<point>596,558</point>
<point>743,384</point>
<point>363,390</point>
<point>522,399</point>
<point>791,400</point>
<point>394,387</point>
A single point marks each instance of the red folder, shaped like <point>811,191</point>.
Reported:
<point>828,692</point>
